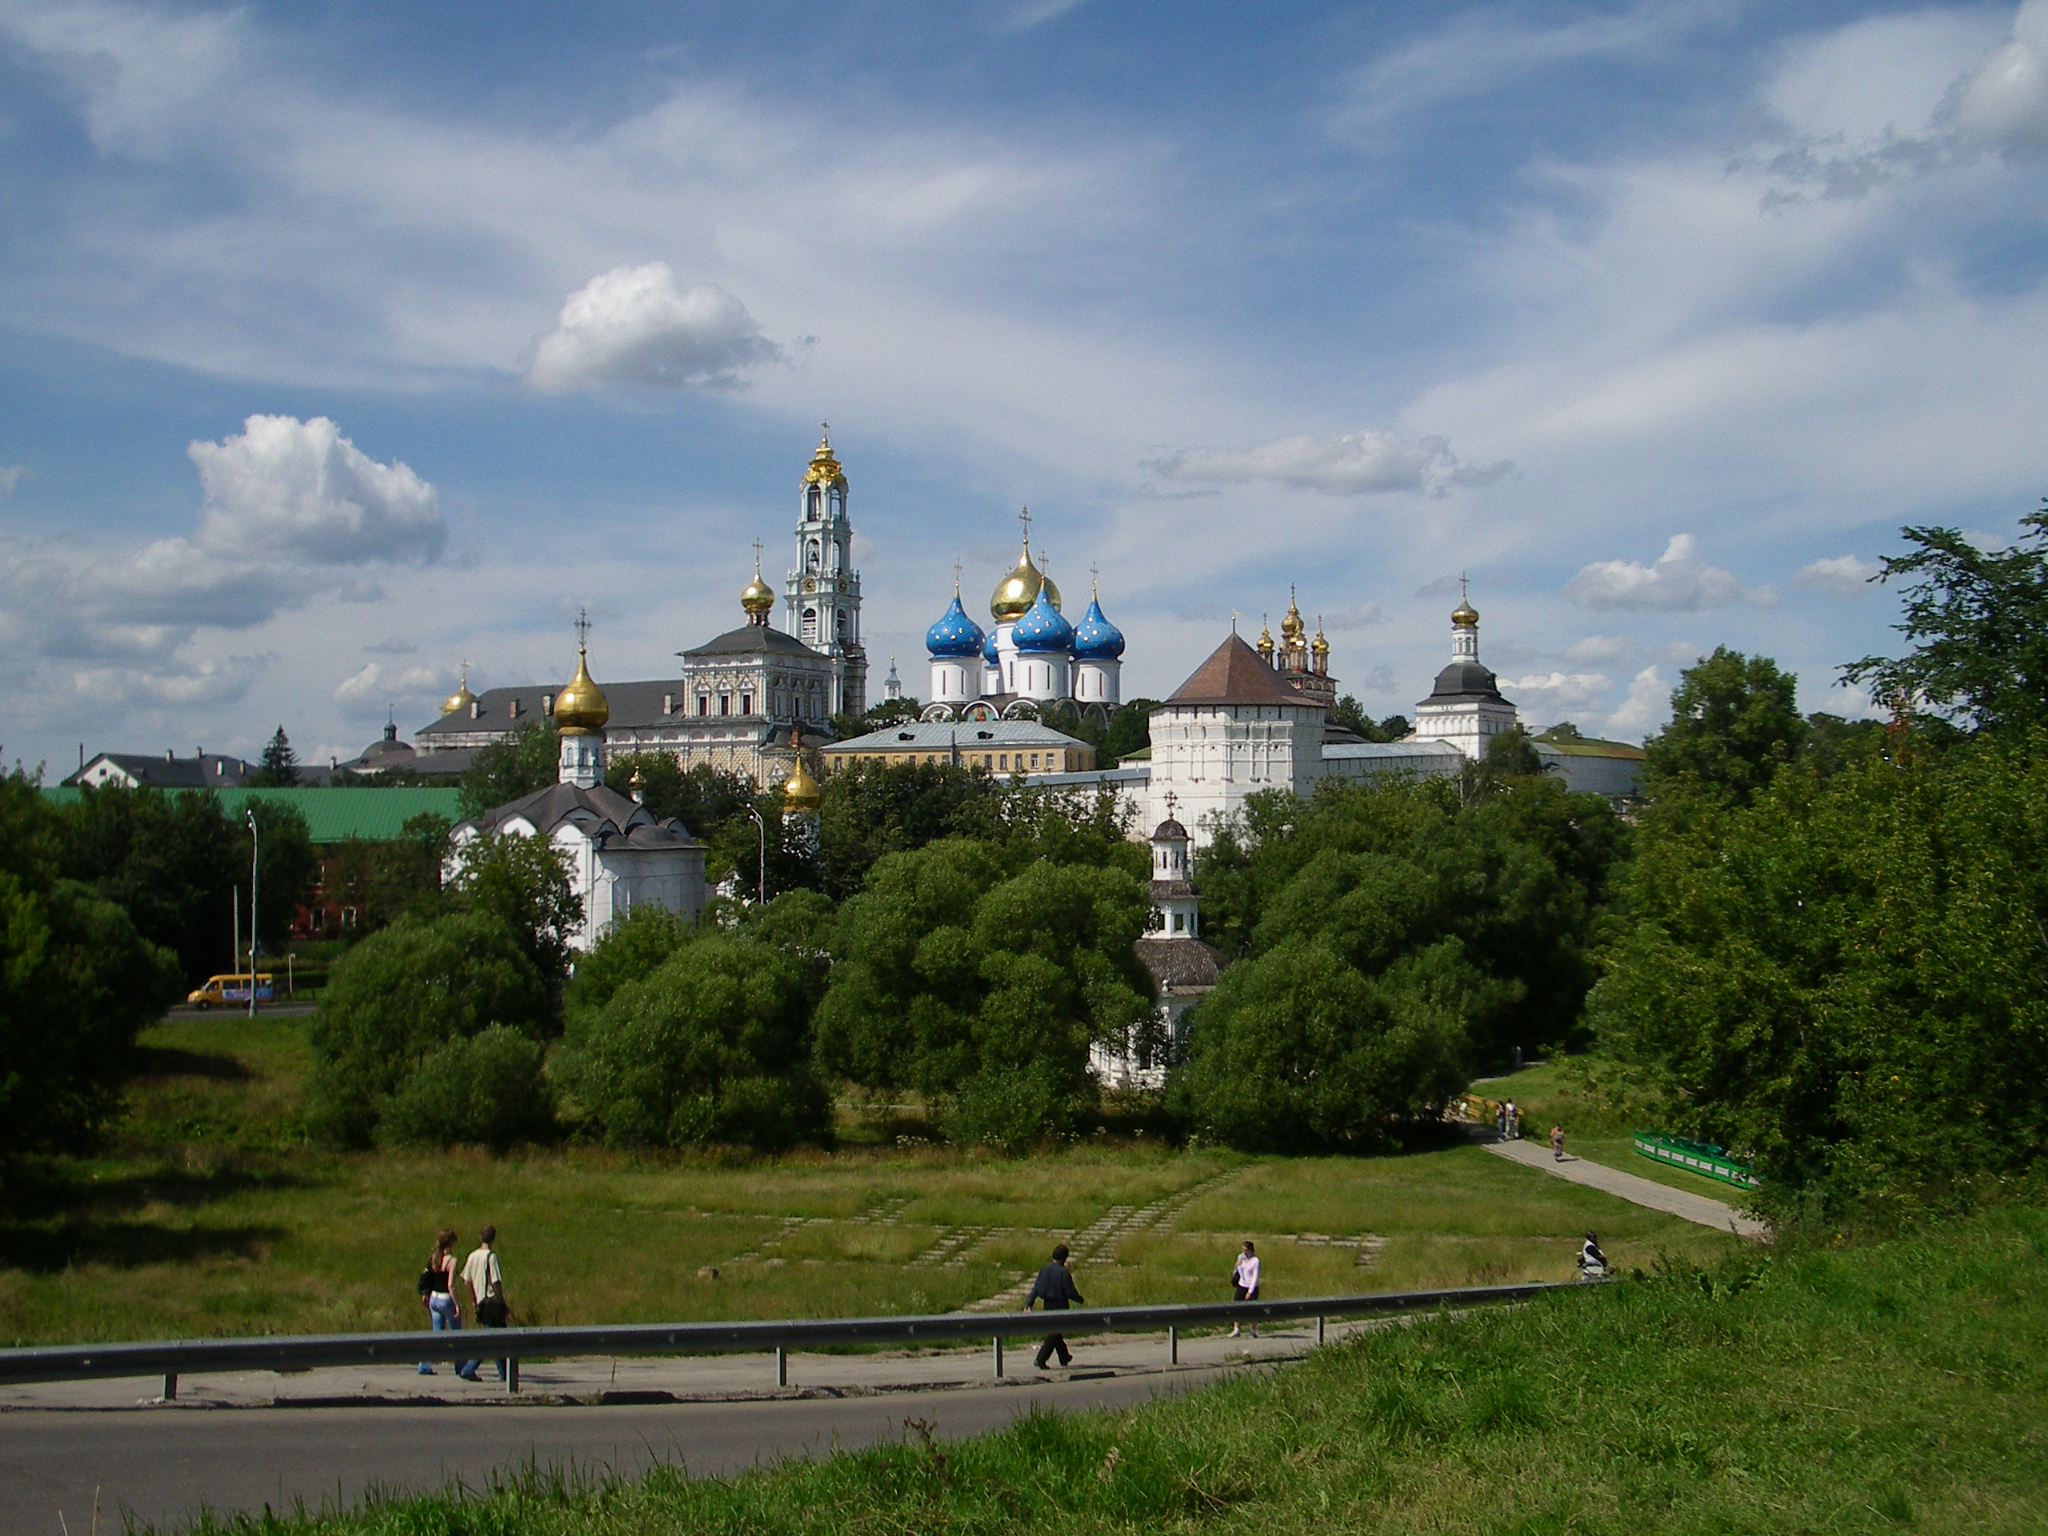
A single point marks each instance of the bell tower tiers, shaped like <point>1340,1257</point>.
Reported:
<point>823,591</point>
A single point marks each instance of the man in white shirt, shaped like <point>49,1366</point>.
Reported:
<point>485,1277</point>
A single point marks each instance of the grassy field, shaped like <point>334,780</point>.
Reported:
<point>1898,1386</point>
<point>207,1205</point>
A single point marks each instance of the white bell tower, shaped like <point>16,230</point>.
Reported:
<point>822,594</point>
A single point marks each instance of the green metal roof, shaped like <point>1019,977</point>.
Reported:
<point>357,811</point>
<point>1592,746</point>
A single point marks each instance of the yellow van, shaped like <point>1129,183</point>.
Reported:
<point>225,990</point>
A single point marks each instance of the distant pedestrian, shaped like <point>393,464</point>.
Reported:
<point>485,1277</point>
<point>437,1288</point>
<point>1557,1142</point>
<point>1514,1121</point>
<point>1500,1119</point>
<point>1592,1262</point>
<point>1244,1280</point>
<point>1055,1287</point>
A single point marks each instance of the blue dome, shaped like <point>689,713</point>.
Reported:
<point>955,634</point>
<point>989,652</point>
<point>1095,638</point>
<point>1042,631</point>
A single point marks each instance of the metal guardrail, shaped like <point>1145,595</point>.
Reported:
<point>172,1358</point>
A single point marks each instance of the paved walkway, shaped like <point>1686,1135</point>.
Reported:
<point>1682,1203</point>
<point>683,1379</point>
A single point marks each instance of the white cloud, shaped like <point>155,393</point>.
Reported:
<point>1361,617</point>
<point>1647,706</point>
<point>10,477</point>
<point>1681,653</point>
<point>1680,581</point>
<point>299,490</point>
<point>1844,576</point>
<point>2004,100</point>
<point>634,326</point>
<point>1350,464</point>
<point>378,684</point>
<point>210,681</point>
<point>1554,696</point>
<point>1601,648</point>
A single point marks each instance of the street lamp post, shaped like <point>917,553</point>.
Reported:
<point>761,888</point>
<point>255,846</point>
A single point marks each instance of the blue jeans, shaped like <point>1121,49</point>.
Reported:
<point>446,1315</point>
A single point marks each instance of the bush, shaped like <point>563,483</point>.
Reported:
<point>402,995</point>
<point>713,1047</point>
<point>486,1090</point>
<point>1004,1107</point>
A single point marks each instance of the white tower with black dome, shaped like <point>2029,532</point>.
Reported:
<point>1465,708</point>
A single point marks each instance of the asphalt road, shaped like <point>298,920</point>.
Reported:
<point>163,1465</point>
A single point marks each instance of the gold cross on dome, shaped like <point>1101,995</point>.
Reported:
<point>1024,517</point>
<point>582,629</point>
<point>1172,804</point>
<point>757,557</point>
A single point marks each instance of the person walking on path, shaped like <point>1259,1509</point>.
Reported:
<point>486,1280</point>
<point>437,1288</point>
<point>1557,1142</point>
<point>1244,1280</point>
<point>1514,1115</point>
<point>1500,1119</point>
<point>1055,1287</point>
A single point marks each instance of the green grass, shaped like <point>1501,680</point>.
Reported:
<point>206,1202</point>
<point>1901,1386</point>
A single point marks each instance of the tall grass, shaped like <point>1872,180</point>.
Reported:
<point>1902,1385</point>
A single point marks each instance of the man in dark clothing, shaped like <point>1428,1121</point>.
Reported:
<point>1055,1287</point>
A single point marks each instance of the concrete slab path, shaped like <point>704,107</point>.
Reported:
<point>1703,1209</point>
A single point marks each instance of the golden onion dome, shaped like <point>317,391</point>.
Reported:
<point>582,706</point>
<point>825,469</point>
<point>757,596</point>
<point>1465,616</point>
<point>1321,646</point>
<point>1016,592</point>
<point>459,701</point>
<point>801,792</point>
<point>1265,639</point>
<point>1291,627</point>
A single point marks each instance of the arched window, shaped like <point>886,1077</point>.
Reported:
<point>811,555</point>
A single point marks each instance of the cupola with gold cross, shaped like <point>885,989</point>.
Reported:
<point>580,712</point>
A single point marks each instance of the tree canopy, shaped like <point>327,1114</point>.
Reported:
<point>1734,723</point>
<point>528,760</point>
<point>279,765</point>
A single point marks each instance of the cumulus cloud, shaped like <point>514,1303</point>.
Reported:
<point>1680,581</point>
<point>1843,576</point>
<point>1601,648</point>
<point>1645,708</point>
<point>2004,101</point>
<point>1350,464</point>
<point>300,490</point>
<point>635,326</point>
<point>1552,696</point>
<point>378,684</point>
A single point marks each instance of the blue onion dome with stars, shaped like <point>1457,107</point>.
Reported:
<point>1042,631</point>
<point>990,653</point>
<point>1095,638</point>
<point>954,634</point>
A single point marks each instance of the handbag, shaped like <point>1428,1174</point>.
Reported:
<point>427,1286</point>
<point>492,1312</point>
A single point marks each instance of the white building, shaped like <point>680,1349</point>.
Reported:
<point>1465,707</point>
<point>619,855</point>
<point>1182,967</point>
<point>822,594</point>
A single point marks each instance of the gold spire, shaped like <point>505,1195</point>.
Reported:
<point>581,708</point>
<point>1265,638</point>
<point>800,792</point>
<point>757,597</point>
<point>1321,646</point>
<point>825,468</point>
<point>1464,615</point>
<point>461,698</point>
<point>1016,592</point>
<point>1292,627</point>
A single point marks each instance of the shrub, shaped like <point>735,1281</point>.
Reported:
<point>713,1047</point>
<point>400,996</point>
<point>485,1090</point>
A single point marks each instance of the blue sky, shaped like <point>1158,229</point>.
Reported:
<point>339,343</point>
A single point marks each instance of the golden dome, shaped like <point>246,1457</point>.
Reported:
<point>1321,646</point>
<point>757,596</point>
<point>1465,616</point>
<point>581,706</point>
<point>825,468</point>
<point>801,792</point>
<point>1291,627</point>
<point>461,698</point>
<point>1016,592</point>
<point>1265,639</point>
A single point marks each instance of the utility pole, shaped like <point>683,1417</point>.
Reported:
<point>255,846</point>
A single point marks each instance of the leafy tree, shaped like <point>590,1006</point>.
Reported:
<point>1349,713</point>
<point>1833,743</point>
<point>77,982</point>
<point>1299,1050</point>
<point>480,1090</point>
<point>870,810</point>
<point>702,798</point>
<point>1979,623</point>
<point>524,883</point>
<point>402,995</point>
<point>945,969</point>
<point>285,867</point>
<point>631,949</point>
<point>1563,731</point>
<point>1130,730</point>
<point>279,766</point>
<point>1843,977</point>
<point>1734,723</point>
<point>404,874</point>
<point>528,760</point>
<point>713,1047</point>
<point>171,861</point>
